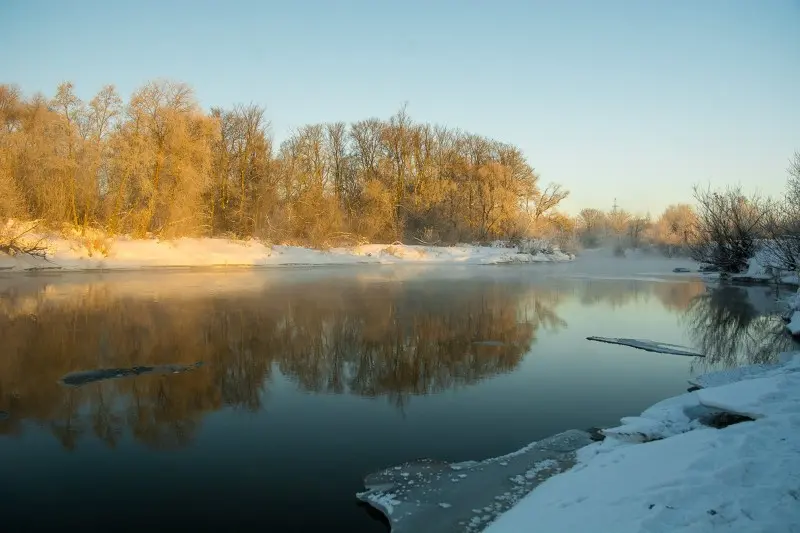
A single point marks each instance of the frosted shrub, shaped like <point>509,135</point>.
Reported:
<point>536,246</point>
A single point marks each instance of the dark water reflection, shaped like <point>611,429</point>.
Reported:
<point>735,325</point>
<point>313,378</point>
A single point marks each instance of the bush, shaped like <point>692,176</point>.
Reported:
<point>536,246</point>
<point>782,224</point>
<point>727,228</point>
<point>95,241</point>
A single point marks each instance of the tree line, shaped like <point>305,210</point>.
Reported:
<point>672,231</point>
<point>159,165</point>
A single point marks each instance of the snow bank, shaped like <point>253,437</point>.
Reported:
<point>794,324</point>
<point>763,267</point>
<point>124,253</point>
<point>667,470</point>
<point>794,314</point>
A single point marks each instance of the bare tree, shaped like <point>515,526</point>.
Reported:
<point>637,227</point>
<point>728,228</point>
<point>674,228</point>
<point>15,240</point>
<point>366,135</point>
<point>782,224</point>
<point>591,223</point>
<point>547,200</point>
<point>337,153</point>
<point>73,116</point>
<point>617,221</point>
<point>793,192</point>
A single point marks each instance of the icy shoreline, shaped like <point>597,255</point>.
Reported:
<point>668,471</point>
<point>722,458</point>
<point>132,254</point>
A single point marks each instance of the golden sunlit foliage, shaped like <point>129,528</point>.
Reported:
<point>160,165</point>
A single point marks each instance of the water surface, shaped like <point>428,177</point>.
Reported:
<point>313,378</point>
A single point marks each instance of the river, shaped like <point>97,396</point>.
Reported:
<point>312,378</point>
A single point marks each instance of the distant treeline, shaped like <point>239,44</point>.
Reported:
<point>159,165</point>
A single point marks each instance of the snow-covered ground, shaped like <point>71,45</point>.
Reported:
<point>123,253</point>
<point>794,315</point>
<point>670,470</point>
<point>762,268</point>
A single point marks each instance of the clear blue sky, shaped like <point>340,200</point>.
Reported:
<point>633,99</point>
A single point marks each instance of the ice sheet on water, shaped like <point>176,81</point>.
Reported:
<point>649,346</point>
<point>429,495</point>
<point>78,379</point>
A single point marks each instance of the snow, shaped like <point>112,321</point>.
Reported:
<point>755,398</point>
<point>794,314</point>
<point>794,324</point>
<point>649,346</point>
<point>125,253</point>
<point>732,375</point>
<point>765,268</point>
<point>685,476</point>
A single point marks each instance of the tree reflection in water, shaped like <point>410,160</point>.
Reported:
<point>368,339</point>
<point>339,335</point>
<point>725,325</point>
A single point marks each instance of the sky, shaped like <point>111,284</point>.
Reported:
<point>617,100</point>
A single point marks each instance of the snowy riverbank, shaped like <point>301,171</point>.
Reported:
<point>763,269</point>
<point>722,458</point>
<point>667,470</point>
<point>127,254</point>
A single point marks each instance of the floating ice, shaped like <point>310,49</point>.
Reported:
<point>486,488</point>
<point>77,379</point>
<point>649,346</point>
